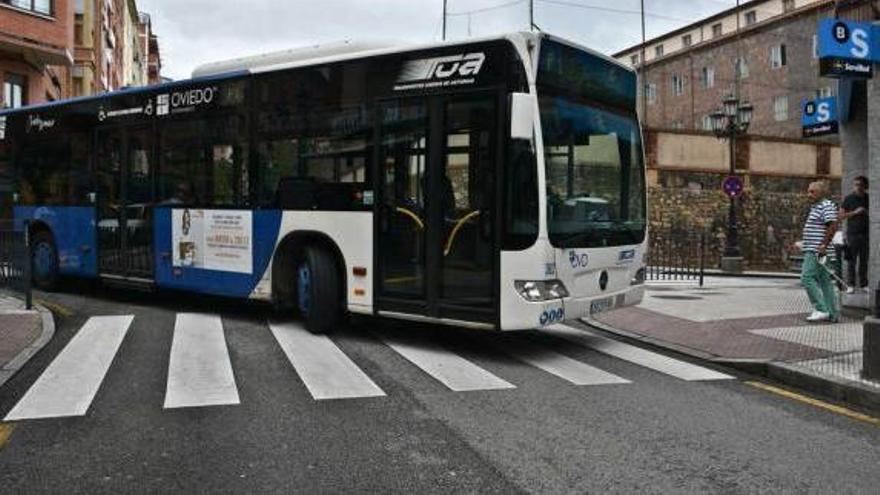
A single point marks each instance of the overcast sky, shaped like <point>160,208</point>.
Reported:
<point>198,31</point>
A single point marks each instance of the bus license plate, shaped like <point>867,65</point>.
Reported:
<point>600,305</point>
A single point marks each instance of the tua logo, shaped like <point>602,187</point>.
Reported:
<point>464,65</point>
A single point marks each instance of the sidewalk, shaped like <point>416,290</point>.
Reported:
<point>22,333</point>
<point>752,323</point>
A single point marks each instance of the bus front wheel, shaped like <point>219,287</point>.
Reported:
<point>317,290</point>
<point>44,261</point>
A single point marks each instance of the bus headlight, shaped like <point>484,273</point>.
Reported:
<point>541,290</point>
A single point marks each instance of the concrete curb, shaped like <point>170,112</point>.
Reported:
<point>837,389</point>
<point>48,331</point>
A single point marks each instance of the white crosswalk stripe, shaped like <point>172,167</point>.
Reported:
<point>68,386</point>
<point>564,367</point>
<point>450,369</point>
<point>324,369</point>
<point>199,371</point>
<point>652,360</point>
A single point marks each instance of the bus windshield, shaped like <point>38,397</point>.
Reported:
<point>592,152</point>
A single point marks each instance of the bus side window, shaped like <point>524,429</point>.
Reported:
<point>204,163</point>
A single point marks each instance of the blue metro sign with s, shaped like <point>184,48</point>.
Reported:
<point>820,117</point>
<point>847,49</point>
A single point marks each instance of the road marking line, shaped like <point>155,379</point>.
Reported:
<point>69,384</point>
<point>816,403</point>
<point>450,369</point>
<point>324,369</point>
<point>564,367</point>
<point>199,371</point>
<point>5,434</point>
<point>648,359</point>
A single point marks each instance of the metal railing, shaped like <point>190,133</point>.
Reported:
<point>15,265</point>
<point>677,255</point>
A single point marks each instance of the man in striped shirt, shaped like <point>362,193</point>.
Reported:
<point>819,228</point>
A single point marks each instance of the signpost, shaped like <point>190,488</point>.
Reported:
<point>820,117</point>
<point>847,49</point>
<point>733,186</point>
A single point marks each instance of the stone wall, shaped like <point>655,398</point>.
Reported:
<point>770,216</point>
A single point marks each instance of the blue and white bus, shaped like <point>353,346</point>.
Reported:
<point>495,183</point>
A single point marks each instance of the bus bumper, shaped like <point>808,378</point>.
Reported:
<point>587,307</point>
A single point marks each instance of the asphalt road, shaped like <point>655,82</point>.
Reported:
<point>645,432</point>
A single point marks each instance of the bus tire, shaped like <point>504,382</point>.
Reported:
<point>317,290</point>
<point>44,261</point>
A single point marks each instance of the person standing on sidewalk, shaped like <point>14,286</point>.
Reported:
<point>818,230</point>
<point>855,211</point>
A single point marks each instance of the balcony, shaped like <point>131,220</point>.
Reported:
<point>35,52</point>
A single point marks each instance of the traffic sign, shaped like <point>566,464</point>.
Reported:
<point>819,117</point>
<point>847,49</point>
<point>733,186</point>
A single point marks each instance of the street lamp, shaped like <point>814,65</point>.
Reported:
<point>731,121</point>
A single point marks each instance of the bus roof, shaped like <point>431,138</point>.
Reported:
<point>314,55</point>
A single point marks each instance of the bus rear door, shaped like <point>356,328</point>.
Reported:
<point>124,203</point>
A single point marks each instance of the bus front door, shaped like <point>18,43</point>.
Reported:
<point>437,243</point>
<point>124,204</point>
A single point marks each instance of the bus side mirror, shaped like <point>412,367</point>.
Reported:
<point>522,116</point>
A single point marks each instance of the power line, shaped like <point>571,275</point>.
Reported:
<point>485,9</point>
<point>614,10</point>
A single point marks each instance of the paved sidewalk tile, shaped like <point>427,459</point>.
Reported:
<point>838,338</point>
<point>739,318</point>
<point>17,331</point>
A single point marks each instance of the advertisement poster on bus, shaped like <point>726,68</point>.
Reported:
<point>218,240</point>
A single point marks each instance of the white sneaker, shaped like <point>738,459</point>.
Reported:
<point>818,316</point>
<point>850,290</point>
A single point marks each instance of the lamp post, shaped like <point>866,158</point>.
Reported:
<point>730,122</point>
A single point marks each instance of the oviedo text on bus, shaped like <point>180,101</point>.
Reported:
<point>494,183</point>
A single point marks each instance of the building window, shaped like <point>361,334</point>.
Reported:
<point>741,68</point>
<point>707,77</point>
<point>707,123</point>
<point>14,91</point>
<point>658,51</point>
<point>787,5</point>
<point>825,92</point>
<point>38,6</point>
<point>777,56</point>
<point>687,40</point>
<point>780,108</point>
<point>651,93</point>
<point>634,59</point>
<point>677,85</point>
<point>751,18</point>
<point>717,30</point>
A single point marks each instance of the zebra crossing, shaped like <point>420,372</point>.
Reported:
<point>200,371</point>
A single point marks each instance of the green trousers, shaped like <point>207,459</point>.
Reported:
<point>819,285</point>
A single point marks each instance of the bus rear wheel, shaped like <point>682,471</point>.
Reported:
<point>317,290</point>
<point>44,261</point>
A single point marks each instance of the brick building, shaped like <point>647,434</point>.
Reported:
<point>36,40</point>
<point>765,47</point>
<point>56,49</point>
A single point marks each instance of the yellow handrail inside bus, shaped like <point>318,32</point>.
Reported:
<point>412,215</point>
<point>461,221</point>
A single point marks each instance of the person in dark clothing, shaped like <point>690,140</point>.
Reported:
<point>855,211</point>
